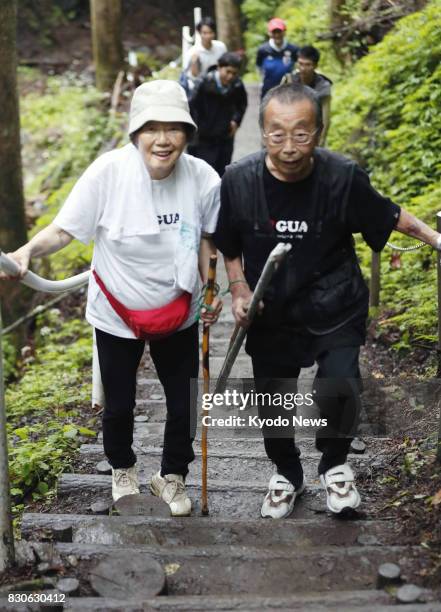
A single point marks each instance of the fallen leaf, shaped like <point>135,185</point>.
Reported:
<point>171,568</point>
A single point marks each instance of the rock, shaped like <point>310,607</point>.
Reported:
<point>367,540</point>
<point>24,553</point>
<point>72,560</point>
<point>103,467</point>
<point>69,586</point>
<point>408,593</point>
<point>141,418</point>
<point>127,573</point>
<point>357,446</point>
<point>102,506</point>
<point>46,553</point>
<point>43,567</point>
<point>388,573</point>
<point>141,505</point>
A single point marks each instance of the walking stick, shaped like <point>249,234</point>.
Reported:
<point>275,258</point>
<point>208,299</point>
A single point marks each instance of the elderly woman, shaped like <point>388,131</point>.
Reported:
<point>151,210</point>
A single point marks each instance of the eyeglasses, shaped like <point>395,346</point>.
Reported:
<point>173,133</point>
<point>300,137</point>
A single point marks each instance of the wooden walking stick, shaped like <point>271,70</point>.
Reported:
<point>208,299</point>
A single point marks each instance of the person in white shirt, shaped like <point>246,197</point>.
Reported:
<point>205,54</point>
<point>151,210</point>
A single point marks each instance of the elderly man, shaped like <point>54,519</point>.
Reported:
<point>316,306</point>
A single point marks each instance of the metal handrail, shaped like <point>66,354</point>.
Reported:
<point>48,286</point>
<point>38,283</point>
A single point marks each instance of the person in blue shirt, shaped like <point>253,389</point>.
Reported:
<point>276,57</point>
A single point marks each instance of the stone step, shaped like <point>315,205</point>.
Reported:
<point>235,465</point>
<point>204,531</point>
<point>220,569</point>
<point>350,601</point>
<point>150,437</point>
<point>233,500</point>
<point>230,448</point>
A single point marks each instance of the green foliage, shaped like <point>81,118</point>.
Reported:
<point>62,130</point>
<point>9,358</point>
<point>65,125</point>
<point>257,14</point>
<point>43,407</point>
<point>386,115</point>
<point>305,21</point>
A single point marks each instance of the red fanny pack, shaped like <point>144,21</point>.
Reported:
<point>150,324</point>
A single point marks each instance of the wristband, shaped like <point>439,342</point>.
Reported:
<point>241,281</point>
<point>438,243</point>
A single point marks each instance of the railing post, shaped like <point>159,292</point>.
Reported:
<point>375,284</point>
<point>97,385</point>
<point>197,16</point>
<point>438,348</point>
<point>7,554</point>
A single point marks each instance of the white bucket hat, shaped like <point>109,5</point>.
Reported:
<point>159,100</point>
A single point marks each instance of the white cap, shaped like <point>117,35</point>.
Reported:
<point>159,100</point>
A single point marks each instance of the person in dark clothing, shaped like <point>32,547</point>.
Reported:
<point>276,57</point>
<point>307,62</point>
<point>316,306</point>
<point>218,105</point>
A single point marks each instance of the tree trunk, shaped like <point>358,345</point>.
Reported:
<point>228,24</point>
<point>12,217</point>
<point>339,18</point>
<point>108,53</point>
<point>7,552</point>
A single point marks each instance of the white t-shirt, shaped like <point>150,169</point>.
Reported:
<point>137,265</point>
<point>207,57</point>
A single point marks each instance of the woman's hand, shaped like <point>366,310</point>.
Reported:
<point>49,240</point>
<point>211,315</point>
<point>22,257</point>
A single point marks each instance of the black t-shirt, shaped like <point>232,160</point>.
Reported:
<point>293,209</point>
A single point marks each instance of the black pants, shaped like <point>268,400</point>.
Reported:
<point>337,388</point>
<point>176,360</point>
<point>217,154</point>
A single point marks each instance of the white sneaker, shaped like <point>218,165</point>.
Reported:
<point>341,492</point>
<point>171,489</point>
<point>124,482</point>
<point>279,501</point>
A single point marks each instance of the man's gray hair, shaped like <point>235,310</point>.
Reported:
<point>288,93</point>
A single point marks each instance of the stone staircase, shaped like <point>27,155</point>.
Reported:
<point>232,559</point>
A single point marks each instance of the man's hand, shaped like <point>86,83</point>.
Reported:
<point>240,307</point>
<point>195,64</point>
<point>22,257</point>
<point>210,316</point>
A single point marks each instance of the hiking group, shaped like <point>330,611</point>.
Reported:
<point>156,213</point>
